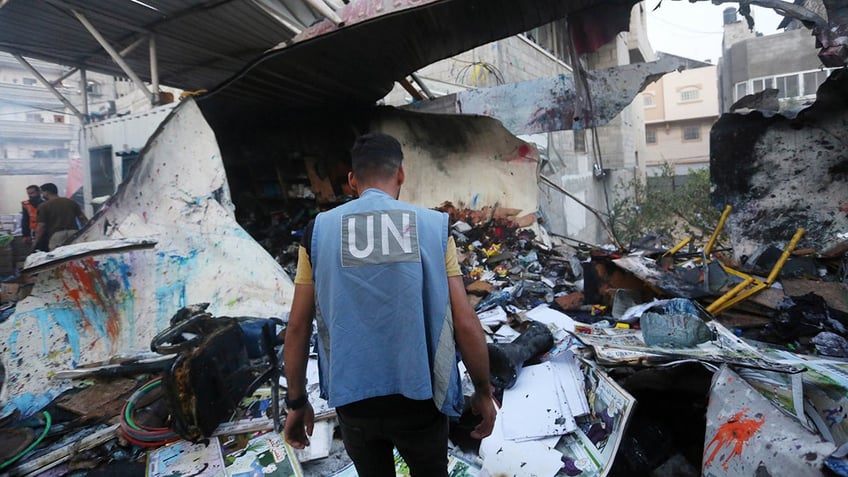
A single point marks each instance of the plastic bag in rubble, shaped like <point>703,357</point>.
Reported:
<point>677,330</point>
<point>831,344</point>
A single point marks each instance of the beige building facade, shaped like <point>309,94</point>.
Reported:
<point>680,109</point>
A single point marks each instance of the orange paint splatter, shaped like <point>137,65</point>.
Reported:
<point>85,283</point>
<point>735,432</point>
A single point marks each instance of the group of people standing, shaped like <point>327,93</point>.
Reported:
<point>47,219</point>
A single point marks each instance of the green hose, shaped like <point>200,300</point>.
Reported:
<point>47,422</point>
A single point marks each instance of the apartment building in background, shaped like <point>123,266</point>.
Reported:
<point>680,108</point>
<point>787,61</point>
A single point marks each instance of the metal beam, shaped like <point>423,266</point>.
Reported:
<point>116,57</point>
<point>84,81</point>
<point>154,70</point>
<point>325,10</point>
<point>50,87</point>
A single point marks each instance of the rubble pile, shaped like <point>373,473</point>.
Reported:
<point>578,335</point>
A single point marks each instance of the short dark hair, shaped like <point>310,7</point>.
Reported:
<point>375,155</point>
<point>33,186</point>
<point>50,187</point>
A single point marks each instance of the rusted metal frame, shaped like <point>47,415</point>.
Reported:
<point>416,95</point>
<point>26,64</point>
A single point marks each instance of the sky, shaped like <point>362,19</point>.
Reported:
<point>694,30</point>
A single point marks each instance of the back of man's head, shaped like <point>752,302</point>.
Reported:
<point>375,156</point>
<point>50,188</point>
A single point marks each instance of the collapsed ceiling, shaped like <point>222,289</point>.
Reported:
<point>352,58</point>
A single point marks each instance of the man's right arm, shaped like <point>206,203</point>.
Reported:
<point>39,233</point>
<point>299,422</point>
<point>475,355</point>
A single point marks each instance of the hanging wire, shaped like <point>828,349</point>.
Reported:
<point>479,70</point>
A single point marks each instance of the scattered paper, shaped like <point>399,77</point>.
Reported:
<point>548,316</point>
<point>535,406</point>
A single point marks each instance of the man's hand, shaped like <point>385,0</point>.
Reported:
<point>299,425</point>
<point>483,404</point>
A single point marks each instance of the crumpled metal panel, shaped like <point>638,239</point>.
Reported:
<point>553,104</point>
<point>747,435</point>
<point>96,307</point>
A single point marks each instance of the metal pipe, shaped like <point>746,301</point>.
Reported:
<point>423,86</point>
<point>784,256</point>
<point>84,81</point>
<point>114,54</point>
<point>50,87</point>
<point>154,70</point>
<point>328,12</point>
<point>714,236</point>
<point>678,247</point>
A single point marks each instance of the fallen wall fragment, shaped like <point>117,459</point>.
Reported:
<point>93,308</point>
<point>747,435</point>
<point>782,173</point>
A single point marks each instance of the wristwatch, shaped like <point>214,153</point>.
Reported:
<point>296,404</point>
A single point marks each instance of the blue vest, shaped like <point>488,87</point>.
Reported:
<point>383,305</point>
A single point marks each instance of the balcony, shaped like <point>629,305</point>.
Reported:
<point>25,131</point>
<point>36,96</point>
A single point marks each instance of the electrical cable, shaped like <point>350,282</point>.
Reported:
<point>48,421</point>
<point>139,434</point>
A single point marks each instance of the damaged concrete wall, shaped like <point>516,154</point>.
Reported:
<point>781,173</point>
<point>468,160</point>
<point>94,308</point>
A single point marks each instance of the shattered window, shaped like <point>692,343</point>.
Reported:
<point>741,90</point>
<point>689,94</point>
<point>813,80</point>
<point>651,136</point>
<point>691,133</point>
<point>788,86</point>
<point>762,84</point>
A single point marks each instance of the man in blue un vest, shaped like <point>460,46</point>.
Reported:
<point>382,280</point>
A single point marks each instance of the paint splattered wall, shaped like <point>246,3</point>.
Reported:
<point>94,308</point>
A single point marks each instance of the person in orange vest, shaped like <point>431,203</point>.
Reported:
<point>29,212</point>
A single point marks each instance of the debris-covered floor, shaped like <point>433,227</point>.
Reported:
<point>662,359</point>
<point>607,364</point>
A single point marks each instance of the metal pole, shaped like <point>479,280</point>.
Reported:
<point>114,54</point>
<point>50,87</point>
<point>423,86</point>
<point>84,81</point>
<point>325,10</point>
<point>154,70</point>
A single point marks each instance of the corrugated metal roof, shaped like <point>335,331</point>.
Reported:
<point>200,44</point>
<point>356,65</point>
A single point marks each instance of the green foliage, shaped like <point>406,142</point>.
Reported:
<point>675,207</point>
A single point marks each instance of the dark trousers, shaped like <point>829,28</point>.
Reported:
<point>421,438</point>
